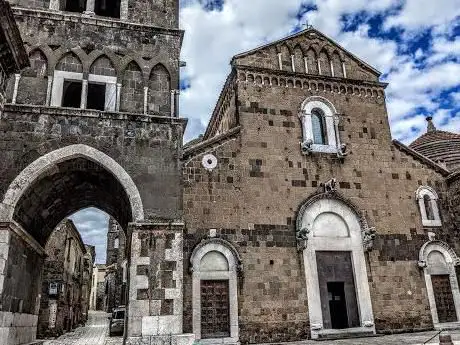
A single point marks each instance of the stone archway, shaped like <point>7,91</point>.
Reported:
<point>45,163</point>
<point>44,193</point>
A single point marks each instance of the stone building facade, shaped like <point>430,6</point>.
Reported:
<point>304,218</point>
<point>64,284</point>
<point>94,121</point>
<point>116,265</point>
<point>88,263</point>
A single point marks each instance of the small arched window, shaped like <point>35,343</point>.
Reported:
<point>318,127</point>
<point>320,122</point>
<point>428,205</point>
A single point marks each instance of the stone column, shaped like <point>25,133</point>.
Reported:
<point>176,103</point>
<point>293,63</point>
<point>54,5</point>
<point>89,8</point>
<point>117,108</point>
<point>305,59</point>
<point>49,90</point>
<point>173,101</point>
<point>344,70</point>
<point>146,93</point>
<point>17,77</point>
<point>155,302</point>
<point>84,93</point>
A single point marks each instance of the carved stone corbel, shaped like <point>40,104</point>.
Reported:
<point>302,238</point>
<point>368,234</point>
<point>306,147</point>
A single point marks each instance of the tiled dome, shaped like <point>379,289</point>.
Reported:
<point>439,146</point>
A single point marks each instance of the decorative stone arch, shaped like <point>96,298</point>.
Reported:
<point>125,61</point>
<point>437,258</point>
<point>96,54</point>
<point>422,193</point>
<point>62,51</point>
<point>43,164</point>
<point>349,234</point>
<point>221,262</point>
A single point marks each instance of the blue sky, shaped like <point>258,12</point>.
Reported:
<point>414,43</point>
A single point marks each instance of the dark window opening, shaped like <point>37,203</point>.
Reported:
<point>78,6</point>
<point>107,8</point>
<point>319,127</point>
<point>96,96</point>
<point>71,96</point>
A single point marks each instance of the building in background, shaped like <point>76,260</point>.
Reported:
<point>98,288</point>
<point>64,287</point>
<point>88,263</point>
<point>115,263</point>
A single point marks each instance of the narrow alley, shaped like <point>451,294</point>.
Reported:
<point>96,332</point>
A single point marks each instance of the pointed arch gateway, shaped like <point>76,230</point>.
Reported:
<point>330,235</point>
<point>82,171</point>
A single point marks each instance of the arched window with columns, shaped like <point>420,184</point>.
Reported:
<point>319,126</point>
<point>215,264</point>
<point>427,199</point>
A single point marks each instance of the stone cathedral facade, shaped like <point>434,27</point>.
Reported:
<point>304,218</point>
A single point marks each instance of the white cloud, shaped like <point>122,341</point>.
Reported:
<point>416,14</point>
<point>92,224</point>
<point>416,78</point>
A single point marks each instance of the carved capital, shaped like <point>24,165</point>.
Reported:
<point>368,235</point>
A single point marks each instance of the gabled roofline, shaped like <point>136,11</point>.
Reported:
<point>438,168</point>
<point>215,112</point>
<point>377,72</point>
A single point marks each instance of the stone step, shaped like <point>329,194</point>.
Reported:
<point>346,335</point>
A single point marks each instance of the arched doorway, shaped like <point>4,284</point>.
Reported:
<point>47,191</point>
<point>329,234</point>
<point>438,261</point>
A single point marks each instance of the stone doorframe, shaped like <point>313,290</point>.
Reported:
<point>234,268</point>
<point>334,211</point>
<point>451,260</point>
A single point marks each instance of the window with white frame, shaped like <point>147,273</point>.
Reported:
<point>98,92</point>
<point>427,199</point>
<point>319,126</point>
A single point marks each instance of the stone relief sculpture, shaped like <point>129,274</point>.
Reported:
<point>302,238</point>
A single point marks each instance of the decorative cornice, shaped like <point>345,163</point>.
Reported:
<point>59,111</point>
<point>310,76</point>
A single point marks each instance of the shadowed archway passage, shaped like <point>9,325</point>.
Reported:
<point>65,188</point>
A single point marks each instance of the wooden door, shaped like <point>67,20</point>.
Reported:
<point>215,313</point>
<point>443,297</point>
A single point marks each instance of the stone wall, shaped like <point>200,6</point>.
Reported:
<point>145,147</point>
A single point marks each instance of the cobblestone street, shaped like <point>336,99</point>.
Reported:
<point>96,332</point>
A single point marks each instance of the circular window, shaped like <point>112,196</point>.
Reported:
<point>209,162</point>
